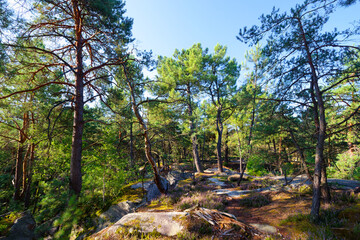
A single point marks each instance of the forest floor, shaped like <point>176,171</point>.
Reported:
<point>265,203</point>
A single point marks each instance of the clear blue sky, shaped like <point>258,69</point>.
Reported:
<point>163,25</point>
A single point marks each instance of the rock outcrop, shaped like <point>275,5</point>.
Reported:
<point>165,223</point>
<point>23,228</point>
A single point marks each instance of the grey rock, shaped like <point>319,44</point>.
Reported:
<point>146,185</point>
<point>216,182</point>
<point>166,223</point>
<point>265,228</point>
<point>153,191</point>
<point>23,228</point>
<point>114,213</point>
<point>174,177</point>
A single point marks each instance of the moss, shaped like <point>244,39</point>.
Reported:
<point>7,221</point>
<point>129,194</point>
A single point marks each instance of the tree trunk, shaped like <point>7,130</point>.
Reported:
<point>193,137</point>
<point>148,154</point>
<point>302,157</point>
<point>29,176</point>
<point>18,170</point>
<point>239,149</point>
<point>78,123</point>
<point>132,160</point>
<point>203,147</point>
<point>219,128</point>
<point>320,123</point>
<point>227,147</point>
<point>19,157</point>
<point>325,190</point>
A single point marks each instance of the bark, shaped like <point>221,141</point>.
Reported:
<point>25,170</point>
<point>147,148</point>
<point>203,147</point>
<point>132,160</point>
<point>193,138</point>
<point>279,157</point>
<point>251,130</point>
<point>302,157</point>
<point>239,149</point>
<point>20,157</point>
<point>18,170</point>
<point>219,128</point>
<point>226,147</point>
<point>29,176</point>
<point>320,123</point>
<point>78,123</point>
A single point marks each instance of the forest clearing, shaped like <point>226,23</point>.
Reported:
<point>101,139</point>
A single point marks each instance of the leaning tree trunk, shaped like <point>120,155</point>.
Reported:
<point>78,123</point>
<point>148,154</point>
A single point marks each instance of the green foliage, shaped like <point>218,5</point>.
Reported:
<point>347,166</point>
<point>68,219</point>
<point>6,221</point>
<point>256,165</point>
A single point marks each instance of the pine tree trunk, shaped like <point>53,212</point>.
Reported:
<point>219,128</point>
<point>78,123</point>
<point>148,154</point>
<point>132,160</point>
<point>193,138</point>
<point>227,147</point>
<point>320,123</point>
<point>18,170</point>
<point>29,176</point>
<point>20,157</point>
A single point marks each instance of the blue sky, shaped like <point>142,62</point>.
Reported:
<point>163,25</point>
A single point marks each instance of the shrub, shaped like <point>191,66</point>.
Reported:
<point>347,166</point>
<point>202,199</point>
<point>255,200</point>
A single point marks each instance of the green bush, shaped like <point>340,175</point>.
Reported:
<point>347,166</point>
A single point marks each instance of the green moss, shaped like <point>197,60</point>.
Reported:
<point>7,221</point>
<point>129,194</point>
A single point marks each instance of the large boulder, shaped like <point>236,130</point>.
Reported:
<point>165,223</point>
<point>172,224</point>
<point>23,228</point>
<point>153,191</point>
<point>114,213</point>
<point>174,177</point>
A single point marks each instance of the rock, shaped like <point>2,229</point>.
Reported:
<point>166,223</point>
<point>146,185</point>
<point>153,191</point>
<point>174,177</point>
<point>265,228</point>
<point>114,213</point>
<point>23,228</point>
<point>216,182</point>
<point>235,177</point>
